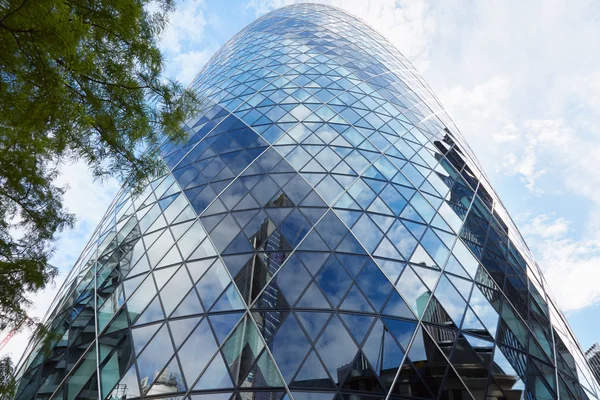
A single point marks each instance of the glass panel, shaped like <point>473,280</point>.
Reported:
<point>336,347</point>
<point>154,357</point>
<point>197,351</point>
<point>289,347</point>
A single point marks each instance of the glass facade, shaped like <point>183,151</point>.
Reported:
<point>324,233</point>
<point>593,356</point>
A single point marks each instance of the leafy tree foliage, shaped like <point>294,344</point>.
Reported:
<point>79,80</point>
<point>7,383</point>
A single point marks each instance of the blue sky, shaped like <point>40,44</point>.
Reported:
<point>521,81</point>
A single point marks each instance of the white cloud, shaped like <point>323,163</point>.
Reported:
<point>184,42</point>
<point>510,133</point>
<point>186,27</point>
<point>189,64</point>
<point>524,165</point>
<point>544,226</point>
<point>570,266</point>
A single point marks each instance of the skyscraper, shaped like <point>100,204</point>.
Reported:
<point>593,356</point>
<point>324,232</point>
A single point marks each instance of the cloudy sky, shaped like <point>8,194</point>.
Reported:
<point>521,81</point>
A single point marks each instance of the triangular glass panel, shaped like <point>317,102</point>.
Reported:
<point>472,324</point>
<point>312,375</point>
<point>444,337</point>
<point>358,325</point>
<point>230,300</point>
<point>212,284</point>
<point>264,374</point>
<point>170,378</point>
<point>152,313</point>
<point>350,245</point>
<point>313,322</point>
<point>141,336</point>
<point>385,249</point>
<point>313,200</point>
<point>436,314</point>
<point>294,228</point>
<point>410,384</point>
<point>420,257</point>
<point>313,298</point>
<point>271,297</point>
<point>313,242</point>
<point>347,202</point>
<point>462,285</point>
<point>155,356</point>
<point>172,257</point>
<point>361,377</point>
<point>163,275</point>
<point>141,266</point>
<point>424,352</point>
<point>349,217</point>
<point>334,338</point>
<point>289,332</point>
<point>313,214</point>
<point>239,244</point>
<point>416,229</point>
<point>484,349</point>
<point>464,355</point>
<point>313,261</point>
<point>451,299</point>
<point>223,324</point>
<point>253,276</point>
<point>243,217</point>
<point>355,301</point>
<point>120,322</point>
<point>414,291</point>
<point>291,280</point>
<point>174,291</point>
<point>215,376</point>
<point>181,328</point>
<point>110,372</point>
<point>402,330</point>
<point>374,284</point>
<point>198,268</point>
<point>197,350</point>
<point>130,381</point>
<point>331,229</point>
<point>160,247</point>
<point>391,358</point>
<point>242,348</point>
<point>188,213</point>
<point>396,307</point>
<point>374,344</point>
<point>235,263</point>
<point>333,280</point>
<point>179,229</point>
<point>352,263</point>
<point>189,306</point>
<point>454,386</point>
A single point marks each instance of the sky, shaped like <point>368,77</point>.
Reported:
<point>520,80</point>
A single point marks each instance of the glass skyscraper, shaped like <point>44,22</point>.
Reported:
<point>593,356</point>
<point>324,233</point>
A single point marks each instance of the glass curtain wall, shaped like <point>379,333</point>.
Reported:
<point>324,233</point>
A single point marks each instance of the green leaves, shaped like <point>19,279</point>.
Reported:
<point>79,80</point>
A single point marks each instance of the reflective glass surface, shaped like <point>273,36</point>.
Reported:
<point>324,233</point>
